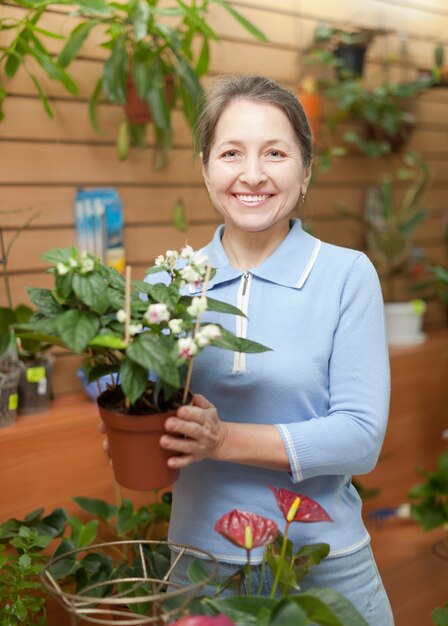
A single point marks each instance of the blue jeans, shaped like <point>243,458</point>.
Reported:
<point>354,576</point>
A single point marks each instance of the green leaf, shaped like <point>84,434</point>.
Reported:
<point>99,508</point>
<point>75,41</point>
<point>44,300</point>
<point>327,607</point>
<point>77,329</point>
<point>123,141</point>
<point>139,18</point>
<point>116,71</point>
<point>165,294</point>
<point>53,70</point>
<point>108,340</point>
<point>440,616</point>
<point>94,6</point>
<point>91,289</point>
<point>253,30</point>
<point>197,21</point>
<point>229,341</point>
<point>204,58</point>
<point>60,255</point>
<point>82,534</point>
<point>66,566</point>
<point>216,306</point>
<point>288,613</point>
<point>178,216</point>
<point>133,380</point>
<point>149,352</point>
<point>93,105</point>
<point>309,556</point>
<point>7,318</point>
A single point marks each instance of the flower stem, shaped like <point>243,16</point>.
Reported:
<point>280,563</point>
<point>262,574</point>
<point>249,574</point>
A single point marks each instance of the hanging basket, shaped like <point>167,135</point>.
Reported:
<point>131,582</point>
<point>137,110</point>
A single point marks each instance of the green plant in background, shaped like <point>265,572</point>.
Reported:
<point>27,545</point>
<point>390,224</point>
<point>431,507</point>
<point>161,51</point>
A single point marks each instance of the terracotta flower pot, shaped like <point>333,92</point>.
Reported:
<point>137,110</point>
<point>138,460</point>
<point>313,105</point>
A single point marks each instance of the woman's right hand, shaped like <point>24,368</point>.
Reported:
<point>102,429</point>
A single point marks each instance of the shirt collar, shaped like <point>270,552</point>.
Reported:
<point>289,265</point>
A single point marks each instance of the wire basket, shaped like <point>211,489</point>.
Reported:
<point>110,600</point>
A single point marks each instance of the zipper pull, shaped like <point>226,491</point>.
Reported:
<point>246,280</point>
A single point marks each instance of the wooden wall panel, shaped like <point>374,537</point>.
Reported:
<point>43,161</point>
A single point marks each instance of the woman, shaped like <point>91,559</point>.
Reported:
<point>312,412</point>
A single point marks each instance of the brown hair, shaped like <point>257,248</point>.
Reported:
<point>255,89</point>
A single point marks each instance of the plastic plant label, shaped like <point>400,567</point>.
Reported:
<point>35,374</point>
<point>42,387</point>
<point>13,402</point>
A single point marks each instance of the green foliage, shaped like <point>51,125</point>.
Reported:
<point>431,507</point>
<point>389,224</point>
<point>440,616</point>
<point>141,44</point>
<point>84,313</point>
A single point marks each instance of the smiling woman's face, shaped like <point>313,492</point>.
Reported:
<point>255,173</point>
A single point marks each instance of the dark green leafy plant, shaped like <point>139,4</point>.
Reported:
<point>430,508</point>
<point>149,45</point>
<point>390,224</point>
<point>440,616</point>
<point>86,313</point>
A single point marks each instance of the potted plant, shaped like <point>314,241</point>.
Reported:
<point>10,365</point>
<point>345,47</point>
<point>146,346</point>
<point>150,63</point>
<point>389,230</point>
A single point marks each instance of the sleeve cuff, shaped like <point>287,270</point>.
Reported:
<point>299,454</point>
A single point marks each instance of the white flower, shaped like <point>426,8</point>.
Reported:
<point>187,252</point>
<point>61,269</point>
<point>72,262</point>
<point>207,334</point>
<point>87,265</point>
<point>121,316</point>
<point>175,326</point>
<point>200,261</point>
<point>190,275</point>
<point>160,260</point>
<point>171,257</point>
<point>135,329</point>
<point>198,305</point>
<point>157,313</point>
<point>187,347</point>
<point>212,332</point>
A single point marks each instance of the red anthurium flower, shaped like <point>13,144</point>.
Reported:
<point>308,510</point>
<point>247,530</point>
<point>205,620</point>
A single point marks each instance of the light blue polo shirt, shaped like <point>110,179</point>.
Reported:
<point>325,386</point>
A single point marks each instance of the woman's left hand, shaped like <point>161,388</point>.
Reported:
<point>196,433</point>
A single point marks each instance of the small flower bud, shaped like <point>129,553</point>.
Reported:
<point>121,316</point>
<point>187,252</point>
<point>160,260</point>
<point>187,348</point>
<point>135,329</point>
<point>198,305</point>
<point>175,326</point>
<point>61,269</point>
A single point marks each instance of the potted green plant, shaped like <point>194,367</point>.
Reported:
<point>153,62</point>
<point>345,49</point>
<point>93,310</point>
<point>383,111</point>
<point>390,226</point>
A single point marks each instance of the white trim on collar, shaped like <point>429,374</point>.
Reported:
<point>310,264</point>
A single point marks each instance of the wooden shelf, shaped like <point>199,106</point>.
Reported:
<point>48,458</point>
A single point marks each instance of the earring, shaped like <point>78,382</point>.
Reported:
<point>302,197</point>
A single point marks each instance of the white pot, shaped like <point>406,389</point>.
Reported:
<point>404,322</point>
